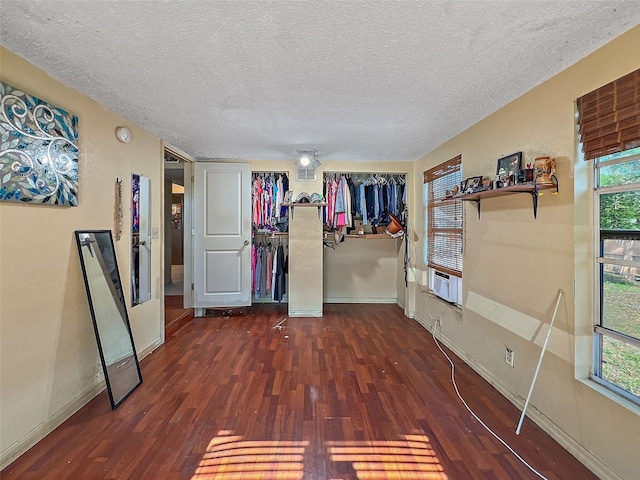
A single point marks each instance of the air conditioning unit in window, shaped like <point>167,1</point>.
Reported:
<point>446,286</point>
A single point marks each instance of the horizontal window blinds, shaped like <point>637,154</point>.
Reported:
<point>609,117</point>
<point>448,168</point>
<point>444,217</point>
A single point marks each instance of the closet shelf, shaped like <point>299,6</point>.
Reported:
<point>294,205</point>
<point>272,234</point>
<point>369,235</point>
<point>305,204</point>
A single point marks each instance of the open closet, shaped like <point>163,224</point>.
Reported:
<point>365,200</point>
<point>359,263</point>
<point>362,263</point>
<point>270,237</point>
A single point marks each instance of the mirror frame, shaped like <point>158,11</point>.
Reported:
<point>115,275</point>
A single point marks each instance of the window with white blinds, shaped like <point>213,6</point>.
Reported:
<point>444,216</point>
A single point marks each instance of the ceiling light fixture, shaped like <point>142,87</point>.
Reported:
<point>307,158</point>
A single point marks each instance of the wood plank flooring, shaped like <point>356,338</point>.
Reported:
<point>175,317</point>
<point>362,393</point>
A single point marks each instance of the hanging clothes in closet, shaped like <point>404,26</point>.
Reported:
<point>370,198</point>
<point>267,197</point>
<point>269,266</point>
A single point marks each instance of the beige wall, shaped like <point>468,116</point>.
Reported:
<point>514,267</point>
<point>362,271</point>
<point>49,363</point>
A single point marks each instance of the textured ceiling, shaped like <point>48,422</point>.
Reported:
<point>357,80</point>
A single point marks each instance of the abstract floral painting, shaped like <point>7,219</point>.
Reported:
<point>38,150</point>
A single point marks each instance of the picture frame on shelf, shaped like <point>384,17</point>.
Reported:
<point>544,169</point>
<point>509,165</point>
<point>472,183</point>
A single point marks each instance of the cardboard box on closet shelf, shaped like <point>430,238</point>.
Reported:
<point>359,227</point>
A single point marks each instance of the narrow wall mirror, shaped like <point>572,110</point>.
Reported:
<point>140,239</point>
<point>109,313</point>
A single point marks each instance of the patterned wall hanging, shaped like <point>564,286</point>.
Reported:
<point>38,150</point>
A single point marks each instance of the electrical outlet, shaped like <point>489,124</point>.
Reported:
<point>508,356</point>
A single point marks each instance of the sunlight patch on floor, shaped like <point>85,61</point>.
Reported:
<point>412,458</point>
<point>231,457</point>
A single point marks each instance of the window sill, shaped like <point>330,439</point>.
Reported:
<point>454,306</point>
<point>623,402</point>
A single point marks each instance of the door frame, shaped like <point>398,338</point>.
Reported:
<point>187,223</point>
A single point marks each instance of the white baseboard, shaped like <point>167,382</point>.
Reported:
<point>360,300</point>
<point>305,313</point>
<point>143,353</point>
<point>23,444</point>
<point>587,458</point>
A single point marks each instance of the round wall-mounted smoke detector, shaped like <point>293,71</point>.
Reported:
<point>123,134</point>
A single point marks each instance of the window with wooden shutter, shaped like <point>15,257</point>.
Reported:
<point>444,217</point>
<point>609,127</point>
<point>609,117</point>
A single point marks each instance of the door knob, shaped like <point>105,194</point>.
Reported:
<point>246,242</point>
<point>142,242</point>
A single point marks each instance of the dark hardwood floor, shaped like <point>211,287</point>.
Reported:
<point>175,317</point>
<point>362,393</point>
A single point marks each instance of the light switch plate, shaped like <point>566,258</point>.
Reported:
<point>155,232</point>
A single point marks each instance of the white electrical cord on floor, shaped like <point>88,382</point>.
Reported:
<point>436,322</point>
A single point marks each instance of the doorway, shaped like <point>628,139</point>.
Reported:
<point>175,314</point>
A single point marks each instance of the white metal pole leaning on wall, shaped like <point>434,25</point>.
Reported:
<point>535,375</point>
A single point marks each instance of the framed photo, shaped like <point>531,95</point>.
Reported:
<point>509,165</point>
<point>544,169</point>
<point>471,183</point>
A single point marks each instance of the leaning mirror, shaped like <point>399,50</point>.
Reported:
<point>109,313</point>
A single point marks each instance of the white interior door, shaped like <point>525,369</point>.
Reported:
<point>222,235</point>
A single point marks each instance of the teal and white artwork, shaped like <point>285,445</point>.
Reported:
<point>38,150</point>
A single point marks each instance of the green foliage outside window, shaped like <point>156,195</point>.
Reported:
<point>620,302</point>
<point>621,210</point>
